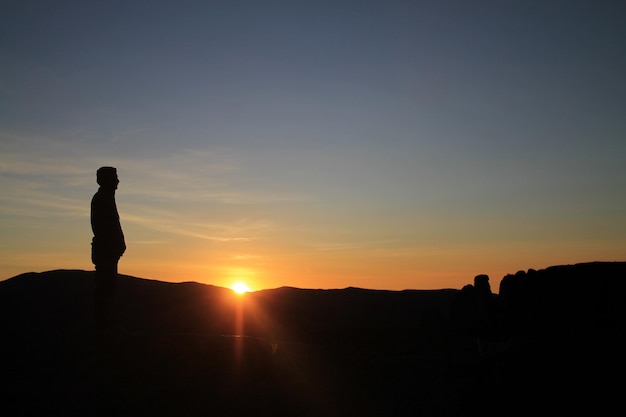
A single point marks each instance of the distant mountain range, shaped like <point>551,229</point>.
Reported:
<point>549,340</point>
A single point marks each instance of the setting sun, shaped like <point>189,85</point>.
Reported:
<point>240,287</point>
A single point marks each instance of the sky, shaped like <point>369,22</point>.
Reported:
<point>316,144</point>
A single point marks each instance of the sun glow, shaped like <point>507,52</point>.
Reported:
<point>240,287</point>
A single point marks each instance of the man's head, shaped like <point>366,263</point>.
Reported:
<point>107,177</point>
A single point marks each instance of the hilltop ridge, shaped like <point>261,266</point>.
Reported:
<point>526,299</point>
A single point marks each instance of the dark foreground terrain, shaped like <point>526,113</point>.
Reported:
<point>551,342</point>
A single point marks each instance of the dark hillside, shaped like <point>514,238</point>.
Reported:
<point>352,314</point>
<point>60,301</point>
<point>551,341</point>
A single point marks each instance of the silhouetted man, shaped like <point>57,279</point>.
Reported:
<point>108,243</point>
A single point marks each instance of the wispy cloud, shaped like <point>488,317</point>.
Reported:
<point>173,224</point>
<point>40,173</point>
<point>355,245</point>
<point>245,257</point>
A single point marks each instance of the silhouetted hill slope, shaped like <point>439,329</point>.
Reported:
<point>551,341</point>
<point>61,301</point>
<point>165,356</point>
<point>559,298</point>
<point>351,313</point>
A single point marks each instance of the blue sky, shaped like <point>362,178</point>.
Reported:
<point>380,144</point>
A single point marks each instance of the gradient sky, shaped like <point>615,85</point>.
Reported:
<point>317,144</point>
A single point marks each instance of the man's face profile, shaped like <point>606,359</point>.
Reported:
<point>107,177</point>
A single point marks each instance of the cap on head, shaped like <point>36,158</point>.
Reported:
<point>106,176</point>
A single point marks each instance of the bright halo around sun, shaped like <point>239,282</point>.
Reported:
<point>240,287</point>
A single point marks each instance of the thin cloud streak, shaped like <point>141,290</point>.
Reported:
<point>181,230</point>
<point>42,205</point>
<point>348,246</point>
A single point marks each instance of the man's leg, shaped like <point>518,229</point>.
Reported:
<point>105,288</point>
